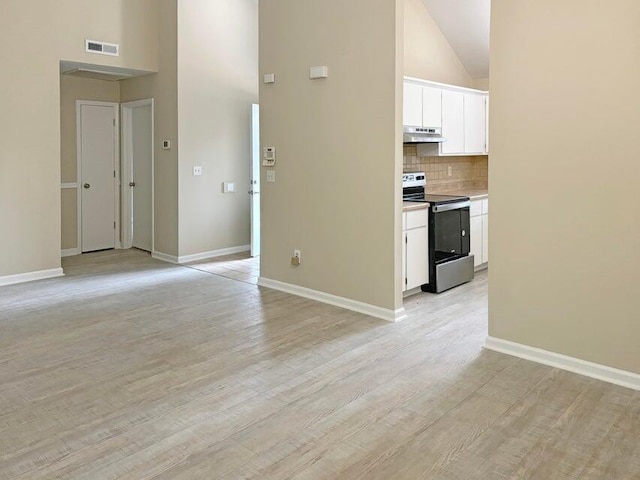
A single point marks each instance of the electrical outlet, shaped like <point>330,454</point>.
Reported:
<point>296,259</point>
<point>449,170</point>
<point>271,176</point>
<point>197,170</point>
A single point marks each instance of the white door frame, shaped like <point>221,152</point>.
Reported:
<point>127,171</point>
<point>116,166</point>
<point>255,218</point>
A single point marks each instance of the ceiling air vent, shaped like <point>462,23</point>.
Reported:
<point>103,48</point>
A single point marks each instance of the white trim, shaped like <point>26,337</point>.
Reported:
<point>127,171</point>
<point>116,167</point>
<point>165,257</point>
<point>445,86</point>
<point>360,307</point>
<point>69,185</point>
<point>564,362</point>
<point>213,253</point>
<point>70,252</point>
<point>31,276</point>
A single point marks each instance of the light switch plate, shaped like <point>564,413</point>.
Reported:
<point>271,176</point>
<point>197,170</point>
<point>270,78</point>
<point>228,187</point>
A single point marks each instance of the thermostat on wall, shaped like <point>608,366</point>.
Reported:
<point>269,159</point>
<point>166,144</point>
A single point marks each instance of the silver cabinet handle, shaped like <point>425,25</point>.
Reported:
<point>86,185</point>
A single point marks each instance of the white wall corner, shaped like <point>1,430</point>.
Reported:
<point>616,376</point>
<point>213,254</point>
<point>31,276</point>
<point>354,305</point>
<point>164,257</point>
<point>70,252</point>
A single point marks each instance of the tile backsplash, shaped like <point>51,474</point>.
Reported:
<point>466,172</point>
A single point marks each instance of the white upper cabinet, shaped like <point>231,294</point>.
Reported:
<point>431,107</point>
<point>422,106</point>
<point>486,124</point>
<point>475,135</point>
<point>462,113</point>
<point>412,105</point>
<point>453,122</point>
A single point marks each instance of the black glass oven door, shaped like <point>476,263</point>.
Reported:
<point>451,234</point>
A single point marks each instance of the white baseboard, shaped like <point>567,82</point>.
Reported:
<point>360,307</point>
<point>213,253</point>
<point>31,276</point>
<point>564,362</point>
<point>70,252</point>
<point>165,257</point>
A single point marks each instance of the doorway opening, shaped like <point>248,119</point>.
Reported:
<point>244,266</point>
<point>138,175</point>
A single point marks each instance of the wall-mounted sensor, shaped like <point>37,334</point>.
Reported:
<point>318,72</point>
<point>166,144</point>
<point>270,78</point>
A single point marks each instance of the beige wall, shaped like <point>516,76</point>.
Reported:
<point>481,83</point>
<point>72,89</point>
<point>564,268</point>
<point>427,53</point>
<point>339,155</point>
<point>40,34</point>
<point>163,88</point>
<point>217,83</point>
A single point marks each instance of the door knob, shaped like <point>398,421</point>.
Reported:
<point>132,184</point>
<point>86,185</point>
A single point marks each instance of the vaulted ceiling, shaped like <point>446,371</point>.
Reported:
<point>465,24</point>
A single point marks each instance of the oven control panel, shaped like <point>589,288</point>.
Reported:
<point>414,179</point>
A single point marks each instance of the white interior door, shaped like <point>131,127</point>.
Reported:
<point>255,180</point>
<point>141,156</point>
<point>97,150</point>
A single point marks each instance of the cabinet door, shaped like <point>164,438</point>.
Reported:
<point>476,240</point>
<point>417,271</point>
<point>474,123</point>
<point>452,122</point>
<point>485,238</point>
<point>431,107</point>
<point>404,261</point>
<point>486,123</point>
<point>412,105</point>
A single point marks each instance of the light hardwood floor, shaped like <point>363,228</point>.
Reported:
<point>129,368</point>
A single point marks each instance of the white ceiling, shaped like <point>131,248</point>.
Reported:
<point>465,24</point>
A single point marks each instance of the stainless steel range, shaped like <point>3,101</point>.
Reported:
<point>450,263</point>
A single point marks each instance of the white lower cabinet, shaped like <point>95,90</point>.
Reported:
<point>415,249</point>
<point>479,247</point>
<point>476,240</point>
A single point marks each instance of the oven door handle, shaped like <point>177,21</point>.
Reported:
<point>451,206</point>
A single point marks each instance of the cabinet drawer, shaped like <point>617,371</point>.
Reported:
<point>417,218</point>
<point>476,208</point>
<point>485,206</point>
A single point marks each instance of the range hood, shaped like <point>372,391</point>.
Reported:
<point>423,135</point>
